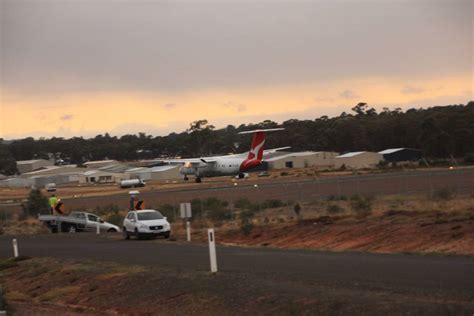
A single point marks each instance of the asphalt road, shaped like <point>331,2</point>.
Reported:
<point>437,274</point>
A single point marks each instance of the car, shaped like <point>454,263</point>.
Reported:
<point>145,223</point>
<point>91,221</point>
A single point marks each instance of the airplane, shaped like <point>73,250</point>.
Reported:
<point>236,164</point>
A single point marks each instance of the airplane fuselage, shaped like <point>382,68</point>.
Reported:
<point>221,167</point>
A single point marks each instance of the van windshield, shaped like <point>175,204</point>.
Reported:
<point>148,216</point>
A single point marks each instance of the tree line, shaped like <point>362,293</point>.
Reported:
<point>440,132</point>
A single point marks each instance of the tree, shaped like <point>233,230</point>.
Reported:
<point>7,162</point>
<point>37,204</point>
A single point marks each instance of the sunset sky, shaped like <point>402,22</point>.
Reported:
<point>82,67</point>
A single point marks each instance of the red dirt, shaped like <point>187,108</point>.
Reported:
<point>386,235</point>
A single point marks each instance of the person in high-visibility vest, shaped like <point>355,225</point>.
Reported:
<point>53,200</point>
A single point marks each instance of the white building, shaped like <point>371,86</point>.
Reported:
<point>25,166</point>
<point>359,160</point>
<point>98,176</point>
<point>319,159</point>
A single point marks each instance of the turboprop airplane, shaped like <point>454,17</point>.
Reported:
<point>230,164</point>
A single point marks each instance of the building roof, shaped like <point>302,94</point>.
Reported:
<point>59,169</point>
<point>99,162</point>
<point>393,150</point>
<point>351,154</point>
<point>163,168</point>
<point>117,168</point>
<point>283,155</point>
<point>27,162</point>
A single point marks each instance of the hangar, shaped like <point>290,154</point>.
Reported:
<point>99,163</point>
<point>25,166</point>
<point>359,160</point>
<point>159,173</point>
<point>401,154</point>
<point>320,159</point>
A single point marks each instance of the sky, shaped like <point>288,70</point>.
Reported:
<point>87,67</point>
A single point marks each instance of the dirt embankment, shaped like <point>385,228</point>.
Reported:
<point>394,233</point>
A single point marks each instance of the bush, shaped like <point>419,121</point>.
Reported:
<point>362,204</point>
<point>334,209</point>
<point>443,194</point>
<point>297,209</point>
<point>37,204</point>
<point>242,203</point>
<point>246,215</point>
<point>246,226</point>
<point>272,204</point>
<point>114,218</point>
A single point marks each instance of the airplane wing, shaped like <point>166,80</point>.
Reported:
<point>273,150</point>
<point>190,162</point>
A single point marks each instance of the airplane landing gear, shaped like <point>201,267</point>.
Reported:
<point>186,178</point>
<point>241,175</point>
<point>198,180</point>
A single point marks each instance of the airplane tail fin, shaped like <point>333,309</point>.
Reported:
<point>258,140</point>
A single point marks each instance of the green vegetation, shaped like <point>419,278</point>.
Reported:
<point>443,194</point>
<point>37,204</point>
<point>362,205</point>
<point>334,209</point>
<point>7,161</point>
<point>431,130</point>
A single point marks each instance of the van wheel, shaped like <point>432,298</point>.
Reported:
<point>125,234</point>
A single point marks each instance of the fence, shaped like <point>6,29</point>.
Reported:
<point>460,181</point>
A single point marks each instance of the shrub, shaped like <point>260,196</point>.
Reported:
<point>297,209</point>
<point>242,203</point>
<point>114,218</point>
<point>334,209</point>
<point>37,204</point>
<point>245,215</point>
<point>272,204</point>
<point>362,204</point>
<point>443,194</point>
<point>246,226</point>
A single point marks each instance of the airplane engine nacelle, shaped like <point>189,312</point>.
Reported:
<point>187,170</point>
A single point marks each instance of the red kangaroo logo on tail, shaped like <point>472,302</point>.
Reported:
<point>255,155</point>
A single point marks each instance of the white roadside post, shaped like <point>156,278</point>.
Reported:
<point>98,228</point>
<point>188,231</point>
<point>212,249</point>
<point>185,210</point>
<point>15,248</point>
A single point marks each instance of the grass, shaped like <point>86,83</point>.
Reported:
<point>58,292</point>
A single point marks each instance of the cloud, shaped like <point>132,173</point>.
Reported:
<point>348,94</point>
<point>168,106</point>
<point>412,90</point>
<point>239,107</point>
<point>66,117</point>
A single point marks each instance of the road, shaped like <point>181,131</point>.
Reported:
<point>401,272</point>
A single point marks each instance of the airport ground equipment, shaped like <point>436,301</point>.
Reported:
<point>145,223</point>
<point>76,222</point>
<point>132,183</point>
